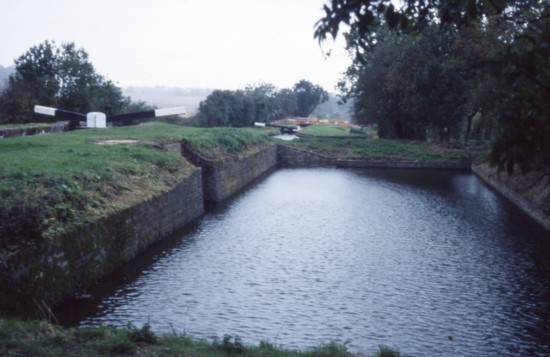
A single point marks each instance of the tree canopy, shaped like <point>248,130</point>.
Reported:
<point>308,96</point>
<point>429,68</point>
<point>60,76</point>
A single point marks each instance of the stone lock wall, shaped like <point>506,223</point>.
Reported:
<point>51,270</point>
<point>224,178</point>
<point>533,198</point>
<point>292,157</point>
<point>34,130</point>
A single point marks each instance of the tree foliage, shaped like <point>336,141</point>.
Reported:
<point>424,86</point>
<point>60,76</point>
<point>431,66</point>
<point>308,96</point>
<point>263,103</point>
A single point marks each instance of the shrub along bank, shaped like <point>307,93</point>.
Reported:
<point>39,338</point>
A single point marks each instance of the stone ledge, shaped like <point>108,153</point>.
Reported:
<point>34,130</point>
<point>343,137</point>
<point>526,205</point>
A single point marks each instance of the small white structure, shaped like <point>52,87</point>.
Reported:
<point>96,120</point>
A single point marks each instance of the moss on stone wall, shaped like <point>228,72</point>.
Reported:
<point>49,269</point>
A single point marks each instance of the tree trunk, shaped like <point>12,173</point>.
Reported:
<point>469,127</point>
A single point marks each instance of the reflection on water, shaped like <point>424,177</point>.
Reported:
<point>396,257</point>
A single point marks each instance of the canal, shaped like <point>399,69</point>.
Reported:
<point>430,262</point>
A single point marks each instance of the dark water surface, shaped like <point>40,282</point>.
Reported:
<point>398,257</point>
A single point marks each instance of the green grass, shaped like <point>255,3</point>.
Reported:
<point>39,338</point>
<point>50,183</point>
<point>380,149</point>
<point>326,130</point>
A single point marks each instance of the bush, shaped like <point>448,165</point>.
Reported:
<point>143,334</point>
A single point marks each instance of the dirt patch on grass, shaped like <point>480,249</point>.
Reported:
<point>117,142</point>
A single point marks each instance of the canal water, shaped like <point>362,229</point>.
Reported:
<point>431,262</point>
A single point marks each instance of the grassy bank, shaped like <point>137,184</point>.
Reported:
<point>400,150</point>
<point>50,183</point>
<point>38,338</point>
<point>326,130</point>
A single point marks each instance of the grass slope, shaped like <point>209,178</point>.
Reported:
<point>325,130</point>
<point>50,183</point>
<point>39,338</point>
<point>380,149</point>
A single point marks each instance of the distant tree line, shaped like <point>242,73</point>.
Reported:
<point>259,103</point>
<point>451,71</point>
<point>63,77</point>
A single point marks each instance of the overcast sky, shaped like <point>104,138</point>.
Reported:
<point>187,43</point>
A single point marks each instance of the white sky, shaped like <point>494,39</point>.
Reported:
<point>186,43</point>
